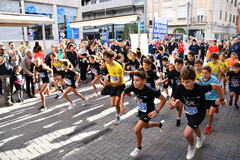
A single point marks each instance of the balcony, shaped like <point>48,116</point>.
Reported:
<point>199,20</point>
<point>107,4</point>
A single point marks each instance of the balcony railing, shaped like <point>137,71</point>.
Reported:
<point>199,19</point>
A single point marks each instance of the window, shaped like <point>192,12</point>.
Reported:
<point>220,14</point>
<point>235,3</point>
<point>230,19</point>
<point>200,18</point>
<point>167,13</point>
<point>182,12</point>
<point>233,18</point>
<point>35,31</point>
<point>236,20</point>
<point>231,1</point>
<point>226,16</point>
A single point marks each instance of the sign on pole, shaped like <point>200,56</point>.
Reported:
<point>160,28</point>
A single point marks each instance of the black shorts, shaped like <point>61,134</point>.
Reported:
<point>73,86</point>
<point>143,116</point>
<point>210,103</point>
<point>195,120</point>
<point>236,90</point>
<point>165,85</point>
<point>116,91</point>
<point>45,80</point>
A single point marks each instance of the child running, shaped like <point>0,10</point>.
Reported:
<point>42,69</point>
<point>151,75</point>
<point>210,96</point>
<point>95,70</point>
<point>146,107</point>
<point>174,78</point>
<point>192,95</point>
<point>71,79</point>
<point>234,84</point>
<point>198,64</point>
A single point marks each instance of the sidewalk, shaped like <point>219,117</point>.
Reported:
<point>87,133</point>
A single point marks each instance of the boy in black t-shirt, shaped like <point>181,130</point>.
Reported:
<point>234,84</point>
<point>192,96</point>
<point>173,77</point>
<point>151,75</point>
<point>146,107</point>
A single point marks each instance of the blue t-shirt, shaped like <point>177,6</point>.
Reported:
<point>211,95</point>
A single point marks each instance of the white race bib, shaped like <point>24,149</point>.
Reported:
<point>133,68</point>
<point>68,82</point>
<point>191,110</point>
<point>58,68</point>
<point>114,79</point>
<point>142,107</point>
<point>94,71</point>
<point>42,74</point>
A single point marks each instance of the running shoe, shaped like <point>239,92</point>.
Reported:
<point>191,152</point>
<point>217,110</point>
<point>168,97</point>
<point>135,153</point>
<point>178,122</point>
<point>42,108</point>
<point>117,120</point>
<point>230,102</point>
<point>236,106</point>
<point>162,122</point>
<point>85,101</point>
<point>199,142</point>
<point>208,130</point>
<point>71,106</point>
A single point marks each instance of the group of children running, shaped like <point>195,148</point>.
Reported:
<point>197,88</point>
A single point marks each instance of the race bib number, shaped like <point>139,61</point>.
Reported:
<point>114,79</point>
<point>58,68</point>
<point>133,68</point>
<point>94,71</point>
<point>68,82</point>
<point>235,83</point>
<point>42,74</point>
<point>142,107</point>
<point>215,74</point>
<point>191,110</point>
<point>148,84</point>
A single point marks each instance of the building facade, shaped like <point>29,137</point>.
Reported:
<point>209,19</point>
<point>61,11</point>
<point>94,9</point>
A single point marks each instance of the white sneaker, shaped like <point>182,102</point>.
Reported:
<point>136,152</point>
<point>71,106</point>
<point>117,120</point>
<point>95,94</point>
<point>162,122</point>
<point>85,101</point>
<point>199,142</point>
<point>191,152</point>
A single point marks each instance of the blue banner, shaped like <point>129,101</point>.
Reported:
<point>69,30</point>
<point>160,28</point>
<point>76,32</point>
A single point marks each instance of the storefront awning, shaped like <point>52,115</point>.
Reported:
<point>9,19</point>
<point>103,21</point>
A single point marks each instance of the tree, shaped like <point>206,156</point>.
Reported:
<point>129,29</point>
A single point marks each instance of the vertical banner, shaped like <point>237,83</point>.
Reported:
<point>160,28</point>
<point>69,30</point>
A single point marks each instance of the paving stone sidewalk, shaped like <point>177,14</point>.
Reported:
<point>87,132</point>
